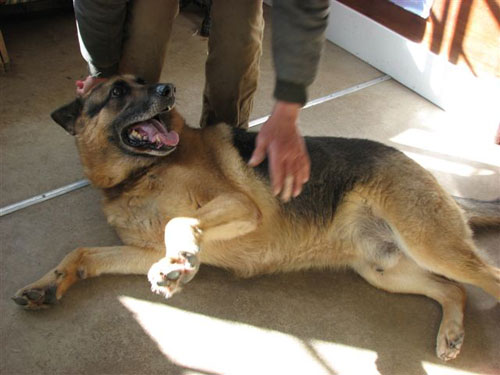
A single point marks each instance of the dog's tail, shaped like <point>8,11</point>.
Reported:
<point>481,214</point>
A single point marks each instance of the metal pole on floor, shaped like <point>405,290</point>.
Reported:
<point>43,197</point>
<point>334,95</point>
<point>82,183</point>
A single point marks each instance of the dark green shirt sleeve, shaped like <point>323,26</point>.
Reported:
<point>100,26</point>
<point>298,35</point>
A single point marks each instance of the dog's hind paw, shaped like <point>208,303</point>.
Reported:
<point>168,275</point>
<point>449,343</point>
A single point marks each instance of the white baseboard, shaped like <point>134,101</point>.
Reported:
<point>451,87</point>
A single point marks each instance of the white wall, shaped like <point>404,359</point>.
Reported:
<point>451,87</point>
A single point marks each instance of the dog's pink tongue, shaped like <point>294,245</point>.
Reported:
<point>169,138</point>
<point>157,133</point>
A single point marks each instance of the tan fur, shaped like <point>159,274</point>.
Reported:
<point>230,219</point>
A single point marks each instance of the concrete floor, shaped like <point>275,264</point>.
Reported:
<point>302,323</point>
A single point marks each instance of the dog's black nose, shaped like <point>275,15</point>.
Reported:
<point>165,89</point>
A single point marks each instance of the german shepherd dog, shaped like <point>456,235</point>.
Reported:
<point>190,191</point>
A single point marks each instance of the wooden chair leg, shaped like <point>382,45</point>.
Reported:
<point>4,56</point>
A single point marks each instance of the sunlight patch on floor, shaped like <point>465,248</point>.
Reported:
<point>202,344</point>
<point>220,346</point>
<point>437,164</point>
<point>433,369</point>
<point>345,360</point>
<point>456,144</point>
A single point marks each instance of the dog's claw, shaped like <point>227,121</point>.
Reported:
<point>20,301</point>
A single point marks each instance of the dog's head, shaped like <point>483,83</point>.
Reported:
<point>122,121</point>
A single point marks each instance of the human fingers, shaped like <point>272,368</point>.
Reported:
<point>259,153</point>
<point>83,87</point>
<point>277,169</point>
<point>92,82</point>
<point>79,87</point>
<point>292,185</point>
<point>302,174</point>
<point>289,168</point>
<point>288,188</point>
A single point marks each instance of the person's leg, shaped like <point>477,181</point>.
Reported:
<point>232,67</point>
<point>147,35</point>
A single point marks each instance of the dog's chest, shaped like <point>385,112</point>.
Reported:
<point>133,214</point>
<point>140,216</point>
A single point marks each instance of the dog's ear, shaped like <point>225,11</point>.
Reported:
<point>66,116</point>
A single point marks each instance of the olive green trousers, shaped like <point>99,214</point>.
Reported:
<point>234,50</point>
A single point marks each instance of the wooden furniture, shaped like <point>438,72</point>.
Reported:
<point>4,56</point>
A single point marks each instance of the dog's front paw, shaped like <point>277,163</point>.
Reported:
<point>35,298</point>
<point>45,292</point>
<point>168,275</point>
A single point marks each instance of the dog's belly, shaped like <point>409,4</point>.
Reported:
<point>282,246</point>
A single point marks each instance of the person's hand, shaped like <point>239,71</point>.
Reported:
<point>280,139</point>
<point>83,87</point>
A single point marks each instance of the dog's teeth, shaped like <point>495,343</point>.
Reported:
<point>135,134</point>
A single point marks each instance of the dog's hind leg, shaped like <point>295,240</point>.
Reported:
<point>407,277</point>
<point>458,260</point>
<point>428,225</point>
<point>83,263</point>
<point>437,238</point>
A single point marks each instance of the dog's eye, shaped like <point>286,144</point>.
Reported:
<point>117,92</point>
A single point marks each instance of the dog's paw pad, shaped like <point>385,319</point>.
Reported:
<point>36,298</point>
<point>168,275</point>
